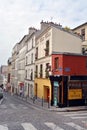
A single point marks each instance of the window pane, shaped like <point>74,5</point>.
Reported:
<point>56,62</point>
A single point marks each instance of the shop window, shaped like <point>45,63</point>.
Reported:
<point>83,34</point>
<point>56,63</point>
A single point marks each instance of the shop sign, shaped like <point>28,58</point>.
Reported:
<point>74,94</point>
<point>60,69</point>
<point>74,84</point>
<point>67,69</point>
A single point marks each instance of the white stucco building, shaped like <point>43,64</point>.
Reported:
<point>30,63</point>
<point>21,64</point>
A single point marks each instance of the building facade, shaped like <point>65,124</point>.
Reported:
<point>69,79</point>
<point>21,65</point>
<point>82,31</point>
<point>14,74</point>
<point>9,74</point>
<point>30,63</point>
<point>51,38</point>
<point>49,64</point>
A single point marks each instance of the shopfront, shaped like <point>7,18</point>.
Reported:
<point>68,91</point>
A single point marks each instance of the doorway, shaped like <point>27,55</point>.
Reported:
<point>46,93</point>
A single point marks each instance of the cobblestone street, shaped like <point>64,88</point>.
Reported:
<point>17,114</point>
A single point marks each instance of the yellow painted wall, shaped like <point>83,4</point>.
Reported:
<point>41,83</point>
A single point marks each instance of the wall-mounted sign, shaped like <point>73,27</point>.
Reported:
<point>60,69</point>
<point>74,94</point>
<point>67,69</point>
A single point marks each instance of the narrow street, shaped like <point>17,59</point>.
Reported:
<point>16,114</point>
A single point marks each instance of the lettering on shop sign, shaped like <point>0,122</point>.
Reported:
<point>74,94</point>
<point>74,85</point>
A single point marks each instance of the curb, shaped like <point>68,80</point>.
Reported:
<point>54,109</point>
<point>85,109</point>
<point>69,110</point>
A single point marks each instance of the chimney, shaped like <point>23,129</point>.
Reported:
<point>44,24</point>
<point>32,30</point>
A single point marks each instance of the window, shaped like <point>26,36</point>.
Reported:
<point>31,75</point>
<point>41,71</point>
<point>83,50</point>
<point>26,74</point>
<point>36,72</point>
<point>31,58</point>
<point>56,63</point>
<point>47,70</point>
<point>47,48</point>
<point>83,34</point>
<point>26,60</point>
<point>32,42</point>
<point>36,55</point>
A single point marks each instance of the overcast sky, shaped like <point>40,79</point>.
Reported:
<point>16,16</point>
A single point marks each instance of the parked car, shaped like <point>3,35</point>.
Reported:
<point>1,93</point>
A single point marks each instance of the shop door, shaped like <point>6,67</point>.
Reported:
<point>56,93</point>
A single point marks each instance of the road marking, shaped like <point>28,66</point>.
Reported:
<point>75,126</point>
<point>13,106</point>
<point>28,126</point>
<point>84,121</point>
<point>3,106</point>
<point>74,114</point>
<point>3,127</point>
<point>79,117</point>
<point>53,126</point>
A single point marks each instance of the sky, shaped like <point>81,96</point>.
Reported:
<point>16,16</point>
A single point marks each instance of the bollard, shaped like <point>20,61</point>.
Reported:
<point>42,101</point>
<point>26,98</point>
<point>48,103</point>
<point>34,99</point>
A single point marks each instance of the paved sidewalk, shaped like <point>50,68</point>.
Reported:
<point>46,106</point>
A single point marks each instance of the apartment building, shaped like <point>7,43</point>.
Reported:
<point>51,38</point>
<point>30,63</point>
<point>82,31</point>
<point>14,74</point>
<point>21,64</point>
<point>9,74</point>
<point>45,61</point>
